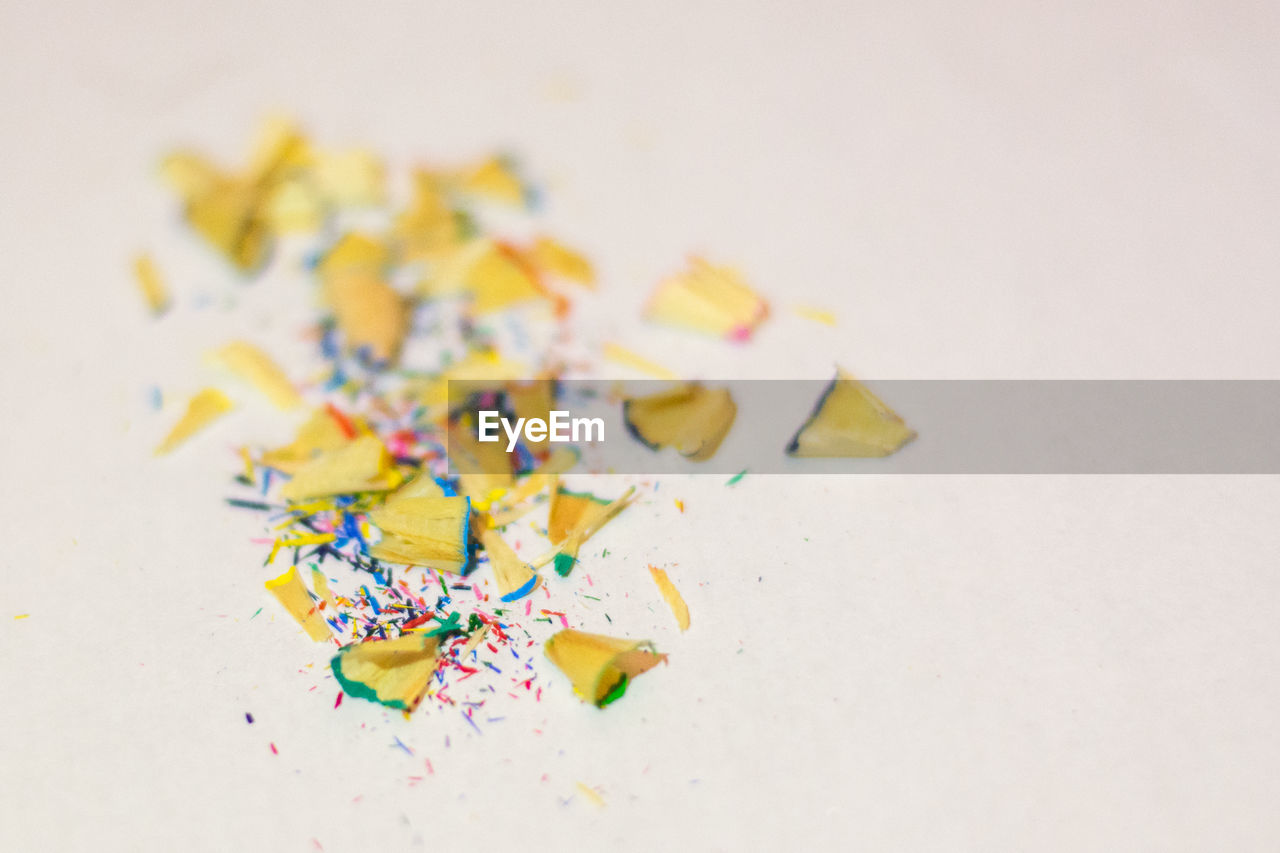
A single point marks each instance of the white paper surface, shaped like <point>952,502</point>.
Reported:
<point>991,191</point>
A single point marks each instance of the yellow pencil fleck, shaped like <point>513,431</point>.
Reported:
<point>672,595</point>
<point>298,541</point>
<point>151,284</point>
<point>621,355</point>
<point>203,409</point>
<point>817,315</point>
<point>591,795</point>
<point>257,368</point>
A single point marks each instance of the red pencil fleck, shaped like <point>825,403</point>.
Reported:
<point>343,424</point>
<point>274,751</point>
<point>338,701</point>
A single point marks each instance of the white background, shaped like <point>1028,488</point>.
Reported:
<point>992,190</point>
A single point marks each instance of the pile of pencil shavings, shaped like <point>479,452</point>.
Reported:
<point>364,483</point>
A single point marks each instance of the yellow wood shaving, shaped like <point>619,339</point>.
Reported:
<point>294,206</point>
<point>248,463</point>
<point>710,299</point>
<point>850,422</point>
<point>586,527</point>
<point>371,315</point>
<point>558,259</point>
<point>475,640</point>
<point>203,409</point>
<point>492,178</point>
<point>321,586</point>
<point>423,531</point>
<point>320,433</point>
<point>817,315</point>
<point>151,284</point>
<point>361,465</point>
<point>395,672</point>
<point>498,280</point>
<point>592,797</point>
<point>292,593</point>
<point>621,355</point>
<point>429,227</point>
<point>350,178</point>
<point>689,417</point>
<point>674,600</point>
<point>596,663</point>
<point>259,370</point>
<point>511,573</point>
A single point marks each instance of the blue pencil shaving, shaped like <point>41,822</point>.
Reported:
<point>529,586</point>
